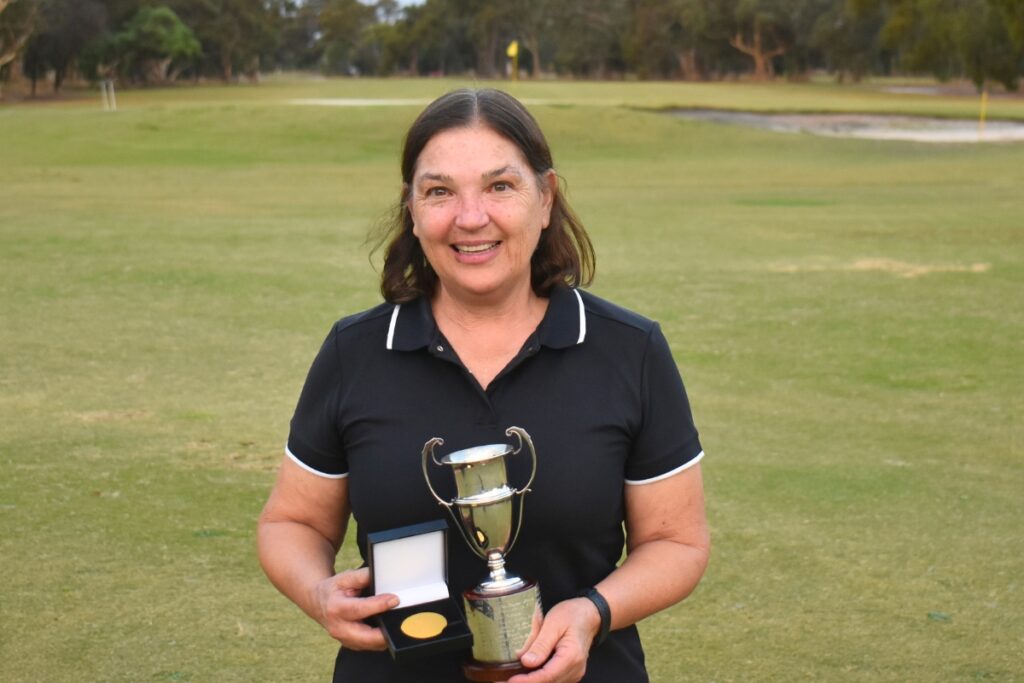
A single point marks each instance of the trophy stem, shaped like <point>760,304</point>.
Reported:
<point>500,581</point>
<point>496,565</point>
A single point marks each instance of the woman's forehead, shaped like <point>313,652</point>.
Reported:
<point>469,147</point>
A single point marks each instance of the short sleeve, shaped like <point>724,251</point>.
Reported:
<point>667,440</point>
<point>314,442</point>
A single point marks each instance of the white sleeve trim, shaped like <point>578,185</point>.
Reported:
<point>685,466</point>
<point>288,452</point>
<point>391,327</point>
<point>583,317</point>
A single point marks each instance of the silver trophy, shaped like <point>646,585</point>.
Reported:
<point>503,611</point>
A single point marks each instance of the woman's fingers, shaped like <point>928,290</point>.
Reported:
<point>562,645</point>
<point>353,579</point>
<point>344,611</point>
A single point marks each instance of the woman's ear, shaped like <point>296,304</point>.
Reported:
<point>548,190</point>
<point>407,202</point>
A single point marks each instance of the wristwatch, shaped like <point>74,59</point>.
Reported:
<point>602,608</point>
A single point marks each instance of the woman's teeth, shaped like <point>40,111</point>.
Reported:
<point>474,248</point>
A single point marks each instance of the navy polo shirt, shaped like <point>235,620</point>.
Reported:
<point>596,388</point>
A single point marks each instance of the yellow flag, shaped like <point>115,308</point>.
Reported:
<point>513,49</point>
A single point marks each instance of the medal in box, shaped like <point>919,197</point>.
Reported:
<point>411,562</point>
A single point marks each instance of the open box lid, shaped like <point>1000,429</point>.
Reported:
<point>410,562</point>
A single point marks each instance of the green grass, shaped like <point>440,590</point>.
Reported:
<point>167,273</point>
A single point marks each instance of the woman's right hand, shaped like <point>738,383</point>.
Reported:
<point>342,610</point>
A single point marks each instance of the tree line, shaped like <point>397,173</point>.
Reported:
<point>160,41</point>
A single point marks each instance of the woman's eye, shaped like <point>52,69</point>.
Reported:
<point>436,192</point>
<point>501,187</point>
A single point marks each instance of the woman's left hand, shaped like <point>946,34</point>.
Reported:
<point>563,644</point>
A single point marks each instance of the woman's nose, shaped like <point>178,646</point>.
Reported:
<point>472,213</point>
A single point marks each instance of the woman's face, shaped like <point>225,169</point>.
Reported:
<point>478,210</point>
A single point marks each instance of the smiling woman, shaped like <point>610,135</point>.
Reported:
<point>484,326</point>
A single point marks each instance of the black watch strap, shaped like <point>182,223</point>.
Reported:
<point>602,608</point>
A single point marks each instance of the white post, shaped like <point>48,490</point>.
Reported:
<point>113,97</point>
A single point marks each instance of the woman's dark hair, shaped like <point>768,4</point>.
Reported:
<point>564,254</point>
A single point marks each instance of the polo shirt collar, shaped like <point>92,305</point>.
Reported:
<point>565,323</point>
<point>412,325</point>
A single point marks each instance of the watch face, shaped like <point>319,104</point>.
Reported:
<point>424,625</point>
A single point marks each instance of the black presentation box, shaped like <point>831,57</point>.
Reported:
<point>411,562</point>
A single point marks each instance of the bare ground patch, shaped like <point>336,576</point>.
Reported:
<point>92,416</point>
<point>901,269</point>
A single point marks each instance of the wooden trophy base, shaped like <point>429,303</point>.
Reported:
<point>481,672</point>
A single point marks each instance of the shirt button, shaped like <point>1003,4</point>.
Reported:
<point>440,349</point>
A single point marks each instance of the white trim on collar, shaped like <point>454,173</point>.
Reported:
<point>391,328</point>
<point>583,317</point>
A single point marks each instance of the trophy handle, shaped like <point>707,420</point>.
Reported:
<point>428,450</point>
<point>523,438</point>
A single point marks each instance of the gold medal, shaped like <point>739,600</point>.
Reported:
<point>424,625</point>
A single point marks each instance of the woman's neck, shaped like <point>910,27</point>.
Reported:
<point>487,337</point>
<point>475,315</point>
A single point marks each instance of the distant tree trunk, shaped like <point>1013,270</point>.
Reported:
<point>689,69</point>
<point>227,49</point>
<point>252,69</point>
<point>9,51</point>
<point>158,69</point>
<point>533,45</point>
<point>762,57</point>
<point>414,61</point>
<point>485,54</point>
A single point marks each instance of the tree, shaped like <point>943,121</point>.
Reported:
<point>296,29</point>
<point>801,18</point>
<point>432,38</point>
<point>760,28</point>
<point>154,46</point>
<point>233,33</point>
<point>980,39</point>
<point>987,47</point>
<point>488,19</point>
<point>847,37</point>
<point>674,37</point>
<point>531,20</point>
<point>17,21</point>
<point>647,43</point>
<point>593,46</point>
<point>343,23</point>
<point>65,29</point>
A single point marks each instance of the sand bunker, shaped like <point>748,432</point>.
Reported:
<point>870,126</point>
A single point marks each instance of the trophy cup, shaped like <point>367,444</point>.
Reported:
<point>503,611</point>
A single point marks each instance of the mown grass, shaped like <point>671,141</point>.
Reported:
<point>846,315</point>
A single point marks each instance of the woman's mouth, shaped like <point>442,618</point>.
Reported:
<point>475,248</point>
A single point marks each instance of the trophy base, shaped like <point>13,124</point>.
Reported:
<point>503,623</point>
<point>484,672</point>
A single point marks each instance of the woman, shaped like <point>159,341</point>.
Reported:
<point>483,328</point>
